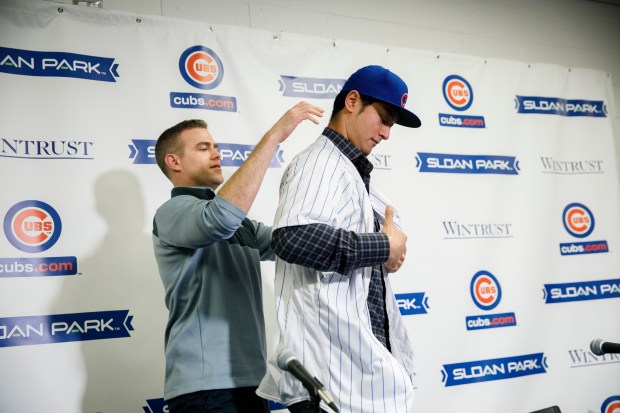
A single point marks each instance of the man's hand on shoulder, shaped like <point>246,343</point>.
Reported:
<point>398,242</point>
<point>283,128</point>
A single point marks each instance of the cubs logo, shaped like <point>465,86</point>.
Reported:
<point>457,92</point>
<point>32,226</point>
<point>485,290</point>
<point>403,100</point>
<point>201,67</point>
<point>611,405</point>
<point>578,220</point>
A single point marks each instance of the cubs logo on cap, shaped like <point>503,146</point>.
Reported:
<point>379,83</point>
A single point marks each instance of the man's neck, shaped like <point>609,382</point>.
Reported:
<point>338,126</point>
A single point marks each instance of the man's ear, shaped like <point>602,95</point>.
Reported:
<point>173,162</point>
<point>353,98</point>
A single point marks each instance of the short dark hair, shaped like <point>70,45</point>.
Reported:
<point>168,141</point>
<point>339,102</point>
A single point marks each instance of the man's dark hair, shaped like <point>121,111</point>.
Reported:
<point>168,141</point>
<point>339,102</point>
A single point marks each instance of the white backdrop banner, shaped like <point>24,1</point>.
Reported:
<point>508,194</point>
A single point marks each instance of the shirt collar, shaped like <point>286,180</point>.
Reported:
<point>343,144</point>
<point>349,150</point>
<point>201,192</point>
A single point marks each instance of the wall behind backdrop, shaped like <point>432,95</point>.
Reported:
<point>508,192</point>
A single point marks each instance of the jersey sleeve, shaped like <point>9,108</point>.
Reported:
<point>312,187</point>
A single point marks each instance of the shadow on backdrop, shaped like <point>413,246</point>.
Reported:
<point>121,274</point>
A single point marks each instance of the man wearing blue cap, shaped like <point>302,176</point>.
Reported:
<point>336,240</point>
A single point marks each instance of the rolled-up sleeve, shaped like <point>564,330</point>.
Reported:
<point>186,221</point>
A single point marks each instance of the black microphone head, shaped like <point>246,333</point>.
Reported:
<point>284,358</point>
<point>596,346</point>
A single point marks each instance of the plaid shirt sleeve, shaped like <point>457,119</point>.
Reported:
<point>325,248</point>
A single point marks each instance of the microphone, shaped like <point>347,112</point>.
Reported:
<point>288,362</point>
<point>600,347</point>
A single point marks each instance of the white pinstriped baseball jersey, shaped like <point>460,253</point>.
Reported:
<point>322,316</point>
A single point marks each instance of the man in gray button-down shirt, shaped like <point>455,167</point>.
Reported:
<point>209,253</point>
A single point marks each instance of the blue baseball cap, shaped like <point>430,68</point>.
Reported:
<point>379,83</point>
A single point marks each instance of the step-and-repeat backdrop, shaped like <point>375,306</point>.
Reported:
<point>508,194</point>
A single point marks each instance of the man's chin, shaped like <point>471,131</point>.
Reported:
<point>218,181</point>
<point>214,182</point>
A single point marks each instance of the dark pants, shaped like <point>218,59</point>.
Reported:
<point>302,407</point>
<point>240,400</point>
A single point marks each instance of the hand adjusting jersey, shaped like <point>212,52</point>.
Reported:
<point>323,316</point>
<point>209,256</point>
